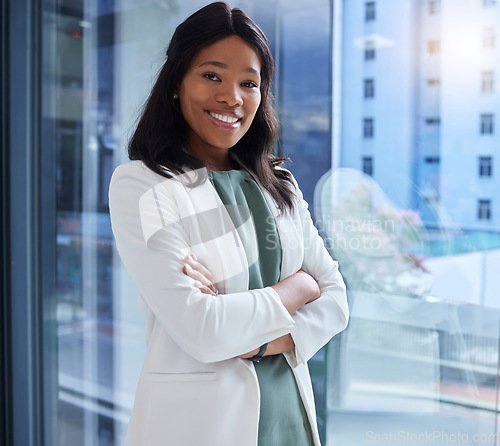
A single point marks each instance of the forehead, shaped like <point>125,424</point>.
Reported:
<point>233,51</point>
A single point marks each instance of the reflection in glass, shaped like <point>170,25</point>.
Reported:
<point>418,240</point>
<point>485,166</point>
<point>95,88</point>
<point>369,88</point>
<point>486,123</point>
<point>417,237</point>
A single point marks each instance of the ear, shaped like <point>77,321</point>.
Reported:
<point>175,95</point>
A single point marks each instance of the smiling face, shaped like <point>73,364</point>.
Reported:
<point>219,96</point>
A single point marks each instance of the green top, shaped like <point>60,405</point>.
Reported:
<point>283,419</point>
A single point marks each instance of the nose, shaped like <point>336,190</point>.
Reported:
<point>230,95</point>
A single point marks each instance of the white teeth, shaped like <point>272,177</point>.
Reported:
<point>223,118</point>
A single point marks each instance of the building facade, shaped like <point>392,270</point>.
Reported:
<point>420,99</point>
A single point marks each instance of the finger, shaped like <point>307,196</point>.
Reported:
<point>196,275</point>
<point>207,279</point>
<point>193,262</point>
<point>204,289</point>
<point>202,281</point>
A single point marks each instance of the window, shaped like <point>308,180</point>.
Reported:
<point>369,88</point>
<point>484,209</point>
<point>97,365</point>
<point>434,46</point>
<point>485,166</point>
<point>367,165</point>
<point>395,363</point>
<point>432,160</point>
<point>486,127</point>
<point>369,11</point>
<point>370,50</point>
<point>489,38</point>
<point>432,121</point>
<point>487,81</point>
<point>434,7</point>
<point>368,128</point>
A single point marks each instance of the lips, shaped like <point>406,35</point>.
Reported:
<point>225,118</point>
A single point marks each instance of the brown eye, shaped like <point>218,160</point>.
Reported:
<point>250,85</point>
<point>211,77</point>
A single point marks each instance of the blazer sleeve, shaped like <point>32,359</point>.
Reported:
<point>317,322</point>
<point>208,328</point>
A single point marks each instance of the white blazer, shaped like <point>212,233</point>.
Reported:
<point>193,390</point>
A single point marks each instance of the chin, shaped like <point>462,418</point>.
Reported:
<point>226,145</point>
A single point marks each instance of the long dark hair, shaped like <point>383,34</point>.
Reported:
<point>161,132</point>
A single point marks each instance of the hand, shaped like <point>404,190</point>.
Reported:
<point>250,354</point>
<point>297,290</point>
<point>204,280</point>
<point>282,344</point>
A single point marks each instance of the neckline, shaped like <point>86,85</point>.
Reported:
<point>230,175</point>
<point>225,172</point>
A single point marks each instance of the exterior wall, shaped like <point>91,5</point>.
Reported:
<point>392,108</point>
<point>428,98</point>
<point>463,102</point>
<point>427,105</point>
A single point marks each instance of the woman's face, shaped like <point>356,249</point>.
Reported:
<point>219,96</point>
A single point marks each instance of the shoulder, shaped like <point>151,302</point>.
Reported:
<point>136,194</point>
<point>140,174</point>
<point>132,179</point>
<point>134,169</point>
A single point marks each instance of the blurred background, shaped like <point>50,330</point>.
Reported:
<point>390,113</point>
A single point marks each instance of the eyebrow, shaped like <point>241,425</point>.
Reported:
<point>224,66</point>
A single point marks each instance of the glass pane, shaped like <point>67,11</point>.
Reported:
<point>417,240</point>
<point>415,371</point>
<point>392,179</point>
<point>103,59</point>
<point>300,38</point>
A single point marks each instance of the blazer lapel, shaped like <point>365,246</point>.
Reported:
<point>291,238</point>
<point>214,238</point>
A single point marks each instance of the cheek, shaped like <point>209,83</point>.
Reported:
<point>253,105</point>
<point>190,96</point>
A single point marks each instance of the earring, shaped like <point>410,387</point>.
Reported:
<point>175,96</point>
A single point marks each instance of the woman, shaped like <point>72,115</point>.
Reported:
<point>236,286</point>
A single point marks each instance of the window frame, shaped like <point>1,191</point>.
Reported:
<point>488,38</point>
<point>29,333</point>
<point>436,120</point>
<point>487,81</point>
<point>485,164</point>
<point>367,165</point>
<point>434,7</point>
<point>369,88</point>
<point>434,46</point>
<point>370,11</point>
<point>368,128</point>
<point>432,159</point>
<point>433,81</point>
<point>487,124</point>
<point>484,209</point>
<point>369,50</point>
